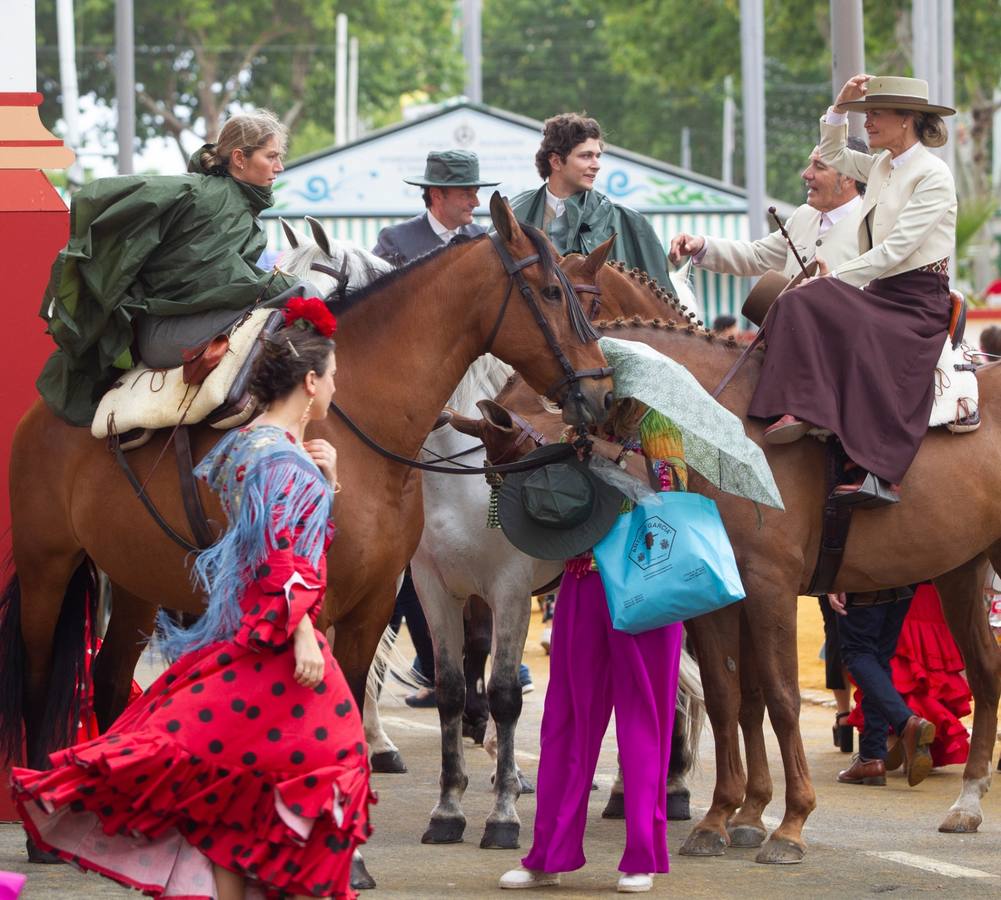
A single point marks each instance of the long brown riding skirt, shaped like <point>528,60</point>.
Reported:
<point>858,362</point>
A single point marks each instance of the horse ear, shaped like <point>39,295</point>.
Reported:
<point>319,235</point>
<point>596,259</point>
<point>495,415</point>
<point>290,234</point>
<point>504,221</point>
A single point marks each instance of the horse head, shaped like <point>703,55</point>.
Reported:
<point>609,290</point>
<point>544,333</point>
<point>334,267</point>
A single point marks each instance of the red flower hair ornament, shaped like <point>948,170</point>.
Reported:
<point>310,311</point>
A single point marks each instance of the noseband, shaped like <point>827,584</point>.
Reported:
<point>579,321</point>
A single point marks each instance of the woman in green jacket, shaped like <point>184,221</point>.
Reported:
<point>157,264</point>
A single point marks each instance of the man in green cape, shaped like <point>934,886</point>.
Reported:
<point>575,216</point>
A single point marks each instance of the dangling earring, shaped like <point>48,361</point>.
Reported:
<point>305,412</point>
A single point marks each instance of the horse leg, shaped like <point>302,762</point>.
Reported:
<point>770,609</point>
<point>384,755</point>
<point>716,638</point>
<point>444,615</point>
<point>356,639</point>
<point>688,720</point>
<point>510,631</point>
<point>746,828</point>
<point>962,605</point>
<point>478,628</point>
<point>131,620</point>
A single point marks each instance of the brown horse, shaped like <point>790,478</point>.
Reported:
<point>403,346</point>
<point>917,540</point>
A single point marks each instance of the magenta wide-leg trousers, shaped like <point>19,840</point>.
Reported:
<point>593,670</point>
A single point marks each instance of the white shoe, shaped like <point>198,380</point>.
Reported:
<point>529,878</point>
<point>547,638</point>
<point>634,883</point>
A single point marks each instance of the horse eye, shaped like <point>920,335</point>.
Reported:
<point>552,293</point>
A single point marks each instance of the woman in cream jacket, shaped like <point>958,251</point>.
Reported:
<point>854,350</point>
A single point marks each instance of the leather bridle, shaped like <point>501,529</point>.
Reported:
<point>578,319</point>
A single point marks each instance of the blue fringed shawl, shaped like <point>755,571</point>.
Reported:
<point>267,484</point>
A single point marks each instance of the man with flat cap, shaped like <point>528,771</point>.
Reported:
<point>450,182</point>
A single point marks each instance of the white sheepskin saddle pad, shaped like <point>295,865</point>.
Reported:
<point>956,392</point>
<point>159,398</point>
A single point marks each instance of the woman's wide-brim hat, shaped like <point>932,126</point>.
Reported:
<point>451,168</point>
<point>892,92</point>
<point>560,509</point>
<point>767,290</point>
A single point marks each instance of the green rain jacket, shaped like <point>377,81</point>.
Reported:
<point>166,245</point>
<point>593,219</point>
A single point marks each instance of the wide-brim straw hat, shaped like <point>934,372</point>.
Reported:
<point>893,92</point>
<point>560,509</point>
<point>451,168</point>
<point>768,289</point>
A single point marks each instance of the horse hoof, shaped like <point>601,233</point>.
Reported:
<point>389,762</point>
<point>37,855</point>
<point>500,836</point>
<point>444,831</point>
<point>615,808</point>
<point>780,852</point>
<point>679,806</point>
<point>360,879</point>
<point>959,822</point>
<point>704,843</point>
<point>746,836</point>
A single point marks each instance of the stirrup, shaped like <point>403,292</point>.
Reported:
<point>873,492</point>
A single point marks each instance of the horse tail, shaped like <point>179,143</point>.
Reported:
<point>12,659</point>
<point>73,642</point>
<point>692,703</point>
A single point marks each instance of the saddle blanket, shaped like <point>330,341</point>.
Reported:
<point>956,393</point>
<point>159,398</point>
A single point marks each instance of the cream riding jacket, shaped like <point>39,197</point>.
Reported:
<point>911,208</point>
<point>836,245</point>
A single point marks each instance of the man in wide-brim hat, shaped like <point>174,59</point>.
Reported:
<point>450,183</point>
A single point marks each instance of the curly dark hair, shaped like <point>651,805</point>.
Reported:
<point>287,356</point>
<point>560,134</point>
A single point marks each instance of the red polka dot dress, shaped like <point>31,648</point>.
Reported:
<point>225,759</point>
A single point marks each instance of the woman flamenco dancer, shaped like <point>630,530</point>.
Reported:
<point>242,771</point>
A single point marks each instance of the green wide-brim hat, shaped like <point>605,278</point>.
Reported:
<point>451,168</point>
<point>892,92</point>
<point>560,509</point>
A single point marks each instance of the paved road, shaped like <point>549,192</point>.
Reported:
<point>862,840</point>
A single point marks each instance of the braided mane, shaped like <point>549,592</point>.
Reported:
<point>691,330</point>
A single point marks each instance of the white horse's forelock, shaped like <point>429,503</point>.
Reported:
<point>363,267</point>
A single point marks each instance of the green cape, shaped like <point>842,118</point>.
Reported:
<point>166,245</point>
<point>593,218</point>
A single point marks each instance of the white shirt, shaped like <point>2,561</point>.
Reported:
<point>829,218</point>
<point>556,204</point>
<point>446,234</point>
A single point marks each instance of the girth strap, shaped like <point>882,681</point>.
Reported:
<point>197,519</point>
<point>165,526</point>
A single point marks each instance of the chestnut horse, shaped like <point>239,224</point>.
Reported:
<point>919,539</point>
<point>404,344</point>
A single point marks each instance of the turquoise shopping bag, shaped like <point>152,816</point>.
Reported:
<point>667,560</point>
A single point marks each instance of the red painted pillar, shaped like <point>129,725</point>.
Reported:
<point>34,226</point>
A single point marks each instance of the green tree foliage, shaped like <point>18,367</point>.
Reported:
<point>197,59</point>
